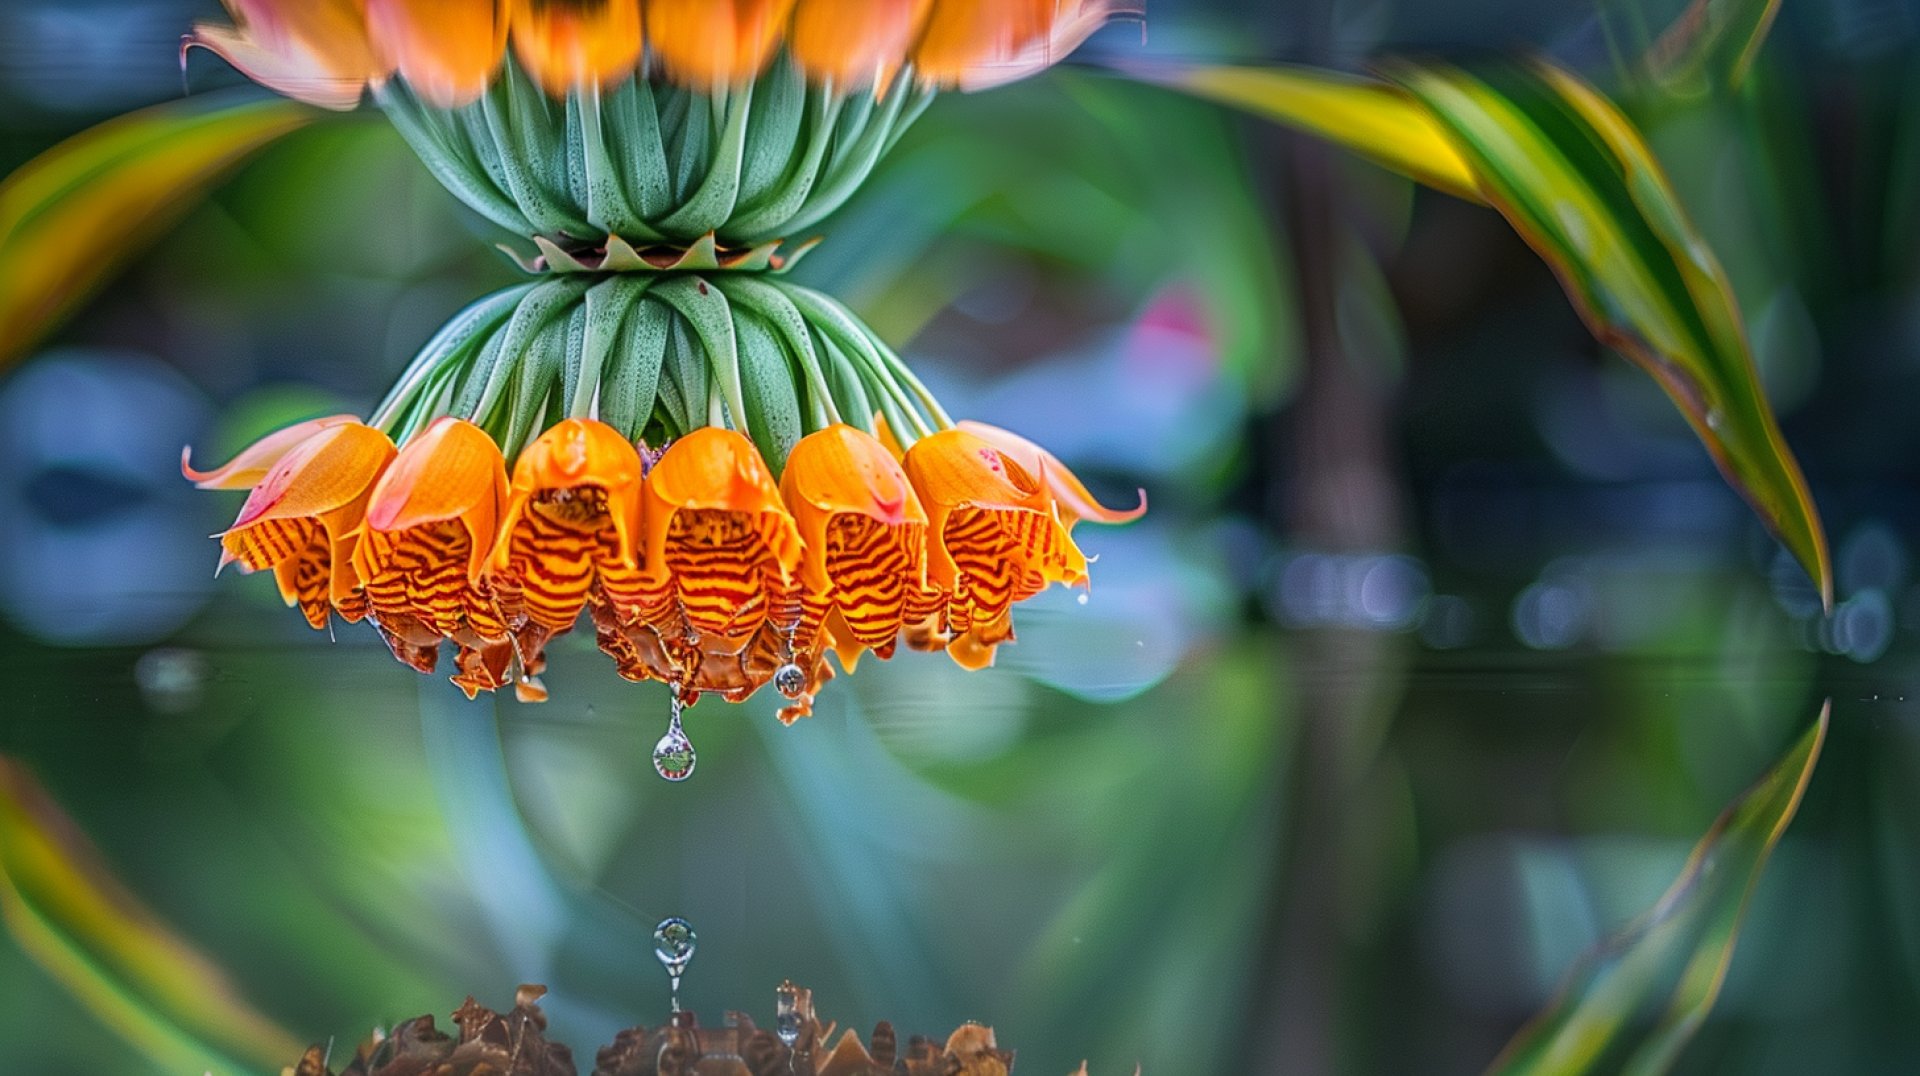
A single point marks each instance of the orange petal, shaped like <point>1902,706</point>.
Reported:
<point>841,470</point>
<point>715,468</point>
<point>323,473</point>
<point>855,42</point>
<point>447,50</point>
<point>989,516</point>
<point>569,43</point>
<point>958,467</point>
<point>451,470</point>
<point>577,452</point>
<point>1069,495</point>
<point>252,464</point>
<point>978,43</point>
<point>706,43</point>
<point>311,50</point>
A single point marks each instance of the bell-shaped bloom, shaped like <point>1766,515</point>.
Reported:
<point>430,527</point>
<point>999,513</point>
<point>718,543</point>
<point>301,520</point>
<point>855,43</point>
<point>446,50</point>
<point>566,530</point>
<point>706,43</point>
<point>974,44</point>
<point>568,44</point>
<point>865,535</point>
<point>317,51</point>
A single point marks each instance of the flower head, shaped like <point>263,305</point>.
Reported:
<point>327,52</point>
<point>430,526</point>
<point>566,530</point>
<point>999,512</point>
<point>301,518</point>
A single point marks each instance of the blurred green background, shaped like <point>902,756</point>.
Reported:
<point>1442,643</point>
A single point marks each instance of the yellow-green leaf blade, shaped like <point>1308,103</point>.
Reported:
<point>1695,924</point>
<point>77,213</point>
<point>1369,117</point>
<point>61,904</point>
<point>1574,178</point>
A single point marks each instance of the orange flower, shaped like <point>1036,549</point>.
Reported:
<point>974,44</point>
<point>707,43</point>
<point>430,526</point>
<point>999,513</point>
<point>866,539</point>
<point>570,43</point>
<point>447,50</point>
<point>252,464</point>
<point>565,529</point>
<point>855,43</point>
<point>301,518</point>
<point>327,51</point>
<point>315,51</point>
<point>719,542</point>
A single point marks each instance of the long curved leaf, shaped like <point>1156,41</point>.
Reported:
<point>77,213</point>
<point>1693,927</point>
<point>66,910</point>
<point>1575,179</point>
<point>1573,176</point>
<point>1371,118</point>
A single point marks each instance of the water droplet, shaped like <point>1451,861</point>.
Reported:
<point>673,756</point>
<point>791,680</point>
<point>1082,599</point>
<point>673,942</point>
<point>786,1013</point>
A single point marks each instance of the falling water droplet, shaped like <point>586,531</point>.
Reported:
<point>790,680</point>
<point>1082,599</point>
<point>673,942</point>
<point>786,1013</point>
<point>673,756</point>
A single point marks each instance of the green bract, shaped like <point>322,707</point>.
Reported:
<point>654,164</point>
<point>656,356</point>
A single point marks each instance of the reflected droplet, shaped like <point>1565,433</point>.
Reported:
<point>790,680</point>
<point>673,942</point>
<point>786,1013</point>
<point>673,756</point>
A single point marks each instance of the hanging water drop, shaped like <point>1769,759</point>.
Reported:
<point>673,756</point>
<point>673,942</point>
<point>786,1012</point>
<point>790,680</point>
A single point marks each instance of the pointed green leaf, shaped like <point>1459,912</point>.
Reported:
<point>633,372</point>
<point>69,913</point>
<point>1573,176</point>
<point>1693,927</point>
<point>1368,117</point>
<point>76,214</point>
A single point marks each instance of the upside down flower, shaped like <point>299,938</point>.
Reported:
<point>566,530</point>
<point>310,487</point>
<point>721,558</point>
<point>429,529</point>
<point>327,52</point>
<point>1000,514</point>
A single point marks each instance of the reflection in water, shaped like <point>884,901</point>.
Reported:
<point>673,942</point>
<point>673,756</point>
